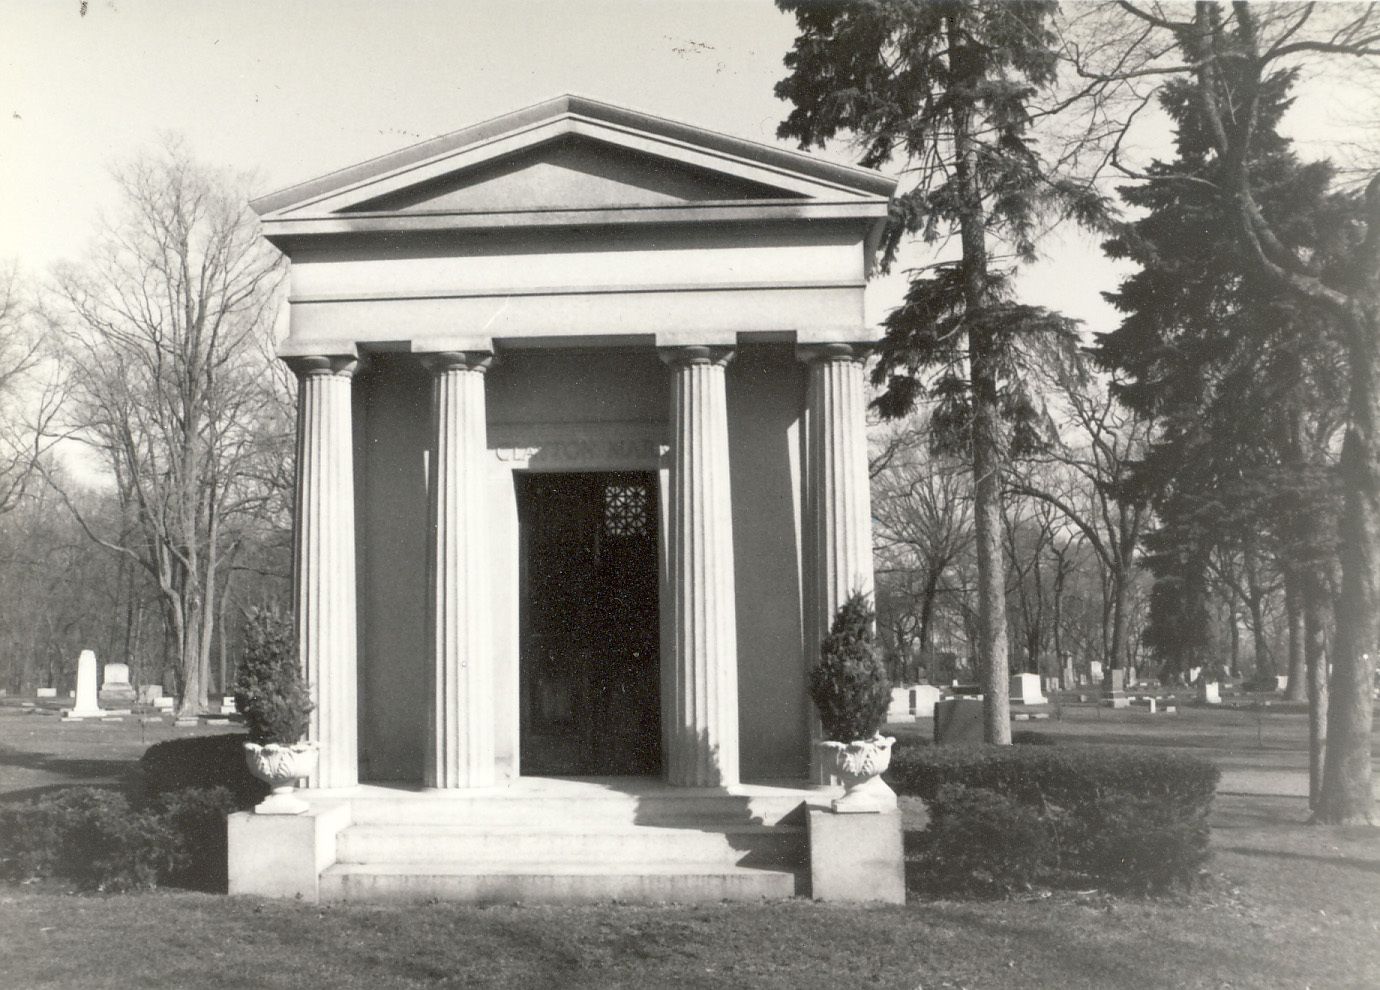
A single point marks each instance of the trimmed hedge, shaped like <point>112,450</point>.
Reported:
<point>170,831</point>
<point>1120,818</point>
<point>98,840</point>
<point>201,762</point>
<point>981,841</point>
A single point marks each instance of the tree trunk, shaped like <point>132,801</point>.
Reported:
<point>986,448</point>
<point>1121,593</point>
<point>1264,663</point>
<point>1235,625</point>
<point>926,620</point>
<point>1315,662</point>
<point>195,659</point>
<point>1297,689</point>
<point>1346,792</point>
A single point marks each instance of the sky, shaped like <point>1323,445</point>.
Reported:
<point>292,90</point>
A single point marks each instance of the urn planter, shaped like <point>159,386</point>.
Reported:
<point>860,764</point>
<point>281,766</point>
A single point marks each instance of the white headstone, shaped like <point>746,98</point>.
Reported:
<point>46,693</point>
<point>150,693</point>
<point>1281,683</point>
<point>162,703</point>
<point>922,700</point>
<point>1209,692</point>
<point>227,704</point>
<point>1025,690</point>
<point>86,704</point>
<point>899,709</point>
<point>1095,671</point>
<point>115,686</point>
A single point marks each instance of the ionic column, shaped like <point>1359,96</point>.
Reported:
<point>701,687</point>
<point>838,501</point>
<point>460,701</point>
<point>324,562</point>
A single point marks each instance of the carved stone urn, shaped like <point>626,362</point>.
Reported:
<point>860,764</point>
<point>281,766</point>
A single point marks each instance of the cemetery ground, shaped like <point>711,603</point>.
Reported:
<point>1286,904</point>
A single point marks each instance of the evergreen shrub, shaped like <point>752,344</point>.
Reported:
<point>269,690</point>
<point>198,763</point>
<point>849,682</point>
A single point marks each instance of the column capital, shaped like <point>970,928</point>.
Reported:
<point>812,353</point>
<point>439,362</point>
<point>683,356</point>
<point>310,365</point>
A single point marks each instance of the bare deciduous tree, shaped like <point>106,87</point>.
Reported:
<point>162,331</point>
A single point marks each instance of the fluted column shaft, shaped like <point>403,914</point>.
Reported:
<point>460,702</point>
<point>701,685</point>
<point>837,497</point>
<point>324,563</point>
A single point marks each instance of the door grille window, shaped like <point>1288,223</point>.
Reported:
<point>626,510</point>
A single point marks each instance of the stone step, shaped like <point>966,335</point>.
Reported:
<point>748,845</point>
<point>497,807</point>
<point>554,883</point>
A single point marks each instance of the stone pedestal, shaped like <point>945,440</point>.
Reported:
<point>700,685</point>
<point>115,687</point>
<point>1025,690</point>
<point>460,696</point>
<point>1114,689</point>
<point>837,496</point>
<point>923,699</point>
<point>856,858</point>
<point>324,562</point>
<point>958,721</point>
<point>86,704</point>
<point>900,707</point>
<point>283,855</point>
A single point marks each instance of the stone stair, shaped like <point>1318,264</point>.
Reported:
<point>566,841</point>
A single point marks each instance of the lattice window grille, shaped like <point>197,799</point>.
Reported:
<point>626,510</point>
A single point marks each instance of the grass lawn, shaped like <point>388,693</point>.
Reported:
<point>1288,905</point>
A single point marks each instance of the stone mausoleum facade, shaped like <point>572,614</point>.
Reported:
<point>582,469</point>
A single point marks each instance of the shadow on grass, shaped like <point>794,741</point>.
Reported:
<point>1346,862</point>
<point>1082,952</point>
<point>27,794</point>
<point>66,766</point>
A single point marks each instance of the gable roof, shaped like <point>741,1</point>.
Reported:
<point>569,161</point>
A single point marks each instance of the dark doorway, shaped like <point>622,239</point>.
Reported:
<point>590,674</point>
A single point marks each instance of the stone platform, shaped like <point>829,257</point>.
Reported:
<point>540,839</point>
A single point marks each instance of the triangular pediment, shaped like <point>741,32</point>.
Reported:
<point>572,172</point>
<point>569,155</point>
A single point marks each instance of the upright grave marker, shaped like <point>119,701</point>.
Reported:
<point>86,705</point>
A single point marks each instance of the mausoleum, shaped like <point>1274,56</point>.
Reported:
<point>582,477</point>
